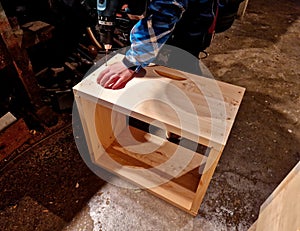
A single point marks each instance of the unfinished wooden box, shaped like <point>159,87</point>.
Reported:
<point>201,110</point>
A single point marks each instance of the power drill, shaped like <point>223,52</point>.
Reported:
<point>107,10</point>
<point>107,13</point>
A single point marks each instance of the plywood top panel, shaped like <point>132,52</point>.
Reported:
<point>189,103</point>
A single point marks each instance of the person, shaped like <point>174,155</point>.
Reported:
<point>168,21</point>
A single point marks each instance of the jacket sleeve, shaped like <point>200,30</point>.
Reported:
<point>150,33</point>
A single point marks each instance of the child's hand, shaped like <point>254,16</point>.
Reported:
<point>115,76</point>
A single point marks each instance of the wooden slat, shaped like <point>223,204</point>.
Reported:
<point>151,181</point>
<point>174,194</point>
<point>242,9</point>
<point>189,180</point>
<point>157,152</point>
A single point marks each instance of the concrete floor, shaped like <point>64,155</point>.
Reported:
<point>49,187</point>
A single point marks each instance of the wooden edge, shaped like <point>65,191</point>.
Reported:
<point>242,9</point>
<point>253,226</point>
<point>281,211</point>
<point>7,120</point>
<point>282,185</point>
<point>84,125</point>
<point>213,159</point>
<point>169,191</point>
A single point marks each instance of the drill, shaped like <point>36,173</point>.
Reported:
<point>107,14</point>
<point>107,10</point>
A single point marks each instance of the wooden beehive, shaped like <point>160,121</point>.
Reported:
<point>199,109</point>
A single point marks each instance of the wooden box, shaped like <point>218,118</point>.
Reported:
<point>201,110</point>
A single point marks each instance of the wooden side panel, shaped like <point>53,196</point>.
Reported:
<point>108,124</point>
<point>212,161</point>
<point>281,211</point>
<point>100,124</point>
<point>174,194</point>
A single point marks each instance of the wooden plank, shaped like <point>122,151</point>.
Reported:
<point>6,120</point>
<point>108,124</point>
<point>200,107</point>
<point>281,211</point>
<point>189,180</point>
<point>13,137</point>
<point>100,125</point>
<point>19,59</point>
<point>175,195</point>
<point>213,159</point>
<point>242,9</point>
<point>151,181</point>
<point>157,153</point>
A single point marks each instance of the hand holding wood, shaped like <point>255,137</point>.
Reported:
<point>115,76</point>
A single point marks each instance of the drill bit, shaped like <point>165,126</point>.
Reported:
<point>106,47</point>
<point>106,52</point>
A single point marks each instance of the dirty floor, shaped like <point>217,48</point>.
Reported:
<point>49,187</point>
